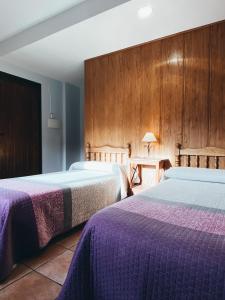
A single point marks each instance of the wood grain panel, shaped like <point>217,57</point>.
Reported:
<point>130,96</point>
<point>100,109</point>
<point>174,87</point>
<point>107,118</point>
<point>90,77</point>
<point>113,109</point>
<point>196,92</point>
<point>217,86</point>
<point>172,94</point>
<point>150,55</point>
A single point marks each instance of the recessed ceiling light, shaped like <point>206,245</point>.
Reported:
<point>144,12</point>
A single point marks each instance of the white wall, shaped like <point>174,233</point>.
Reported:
<point>52,139</point>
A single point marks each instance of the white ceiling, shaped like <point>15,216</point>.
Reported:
<point>61,55</point>
<point>18,15</point>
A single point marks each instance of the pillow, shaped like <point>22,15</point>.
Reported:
<point>196,174</point>
<point>95,166</point>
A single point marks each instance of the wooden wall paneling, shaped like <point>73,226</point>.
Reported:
<point>217,88</point>
<point>100,101</point>
<point>131,96</point>
<point>150,93</point>
<point>114,111</point>
<point>107,110</point>
<point>172,95</point>
<point>90,75</point>
<point>184,71</point>
<point>196,92</point>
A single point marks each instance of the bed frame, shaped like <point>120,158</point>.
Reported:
<point>208,157</point>
<point>108,153</point>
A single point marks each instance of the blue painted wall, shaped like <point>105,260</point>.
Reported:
<point>82,119</point>
<point>73,120</point>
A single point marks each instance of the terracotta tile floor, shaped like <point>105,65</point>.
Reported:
<point>41,277</point>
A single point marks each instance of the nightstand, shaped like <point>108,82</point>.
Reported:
<point>137,163</point>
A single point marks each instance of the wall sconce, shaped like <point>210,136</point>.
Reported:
<point>149,138</point>
<point>52,121</point>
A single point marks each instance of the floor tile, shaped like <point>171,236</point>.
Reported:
<point>57,268</point>
<point>70,240</point>
<point>51,252</point>
<point>31,287</point>
<point>19,271</point>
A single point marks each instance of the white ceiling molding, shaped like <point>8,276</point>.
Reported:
<point>72,16</point>
<point>16,16</point>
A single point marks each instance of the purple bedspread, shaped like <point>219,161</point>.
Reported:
<point>143,248</point>
<point>31,214</point>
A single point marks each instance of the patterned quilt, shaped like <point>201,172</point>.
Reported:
<point>35,209</point>
<point>147,248</point>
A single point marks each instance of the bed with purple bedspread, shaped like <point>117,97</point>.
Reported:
<point>35,209</point>
<point>165,243</point>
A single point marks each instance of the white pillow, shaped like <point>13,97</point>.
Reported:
<point>196,174</point>
<point>95,166</point>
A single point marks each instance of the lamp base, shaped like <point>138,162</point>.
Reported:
<point>148,146</point>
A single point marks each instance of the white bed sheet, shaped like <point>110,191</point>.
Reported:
<point>206,194</point>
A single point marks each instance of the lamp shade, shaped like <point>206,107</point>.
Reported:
<point>149,138</point>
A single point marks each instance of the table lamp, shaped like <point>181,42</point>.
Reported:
<point>149,138</point>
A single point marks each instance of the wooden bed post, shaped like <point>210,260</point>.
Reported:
<point>129,150</point>
<point>88,152</point>
<point>178,157</point>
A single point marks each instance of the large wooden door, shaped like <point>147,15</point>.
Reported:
<point>20,127</point>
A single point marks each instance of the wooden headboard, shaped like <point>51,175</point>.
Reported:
<point>208,157</point>
<point>108,153</point>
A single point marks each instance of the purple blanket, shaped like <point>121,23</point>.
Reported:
<point>31,214</point>
<point>145,248</point>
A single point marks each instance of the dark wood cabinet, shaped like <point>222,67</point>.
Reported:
<point>20,127</point>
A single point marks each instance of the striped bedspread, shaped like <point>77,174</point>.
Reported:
<point>150,248</point>
<point>35,209</point>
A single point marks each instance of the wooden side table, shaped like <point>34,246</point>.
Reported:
<point>137,163</point>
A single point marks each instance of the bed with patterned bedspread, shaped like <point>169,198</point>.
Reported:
<point>165,243</point>
<point>35,209</point>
